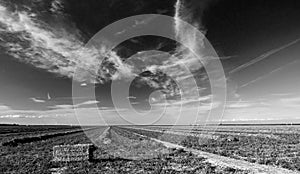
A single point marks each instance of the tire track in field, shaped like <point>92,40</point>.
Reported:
<point>105,137</point>
<point>228,162</point>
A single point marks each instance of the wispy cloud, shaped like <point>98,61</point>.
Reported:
<point>188,102</point>
<point>61,107</point>
<point>68,106</point>
<point>291,102</point>
<point>53,48</point>
<point>30,40</point>
<point>91,102</point>
<point>281,94</point>
<point>263,56</point>
<point>57,6</point>
<point>266,75</point>
<point>38,100</point>
<point>83,84</point>
<point>238,105</point>
<point>4,108</point>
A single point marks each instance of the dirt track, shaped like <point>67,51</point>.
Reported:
<point>229,162</point>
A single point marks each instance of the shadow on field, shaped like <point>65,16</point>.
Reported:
<point>101,160</point>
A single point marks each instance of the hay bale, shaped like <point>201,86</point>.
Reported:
<point>69,153</point>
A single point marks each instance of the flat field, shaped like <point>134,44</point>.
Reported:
<point>154,149</point>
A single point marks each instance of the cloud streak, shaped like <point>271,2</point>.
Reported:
<point>291,102</point>
<point>266,75</point>
<point>263,56</point>
<point>67,106</point>
<point>37,100</point>
<point>4,108</point>
<point>53,48</point>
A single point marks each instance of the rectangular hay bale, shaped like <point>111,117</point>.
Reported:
<point>69,153</point>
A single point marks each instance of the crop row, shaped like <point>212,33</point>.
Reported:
<point>274,130</point>
<point>17,129</point>
<point>35,157</point>
<point>39,137</point>
<point>176,160</point>
<point>262,150</point>
<point>20,131</point>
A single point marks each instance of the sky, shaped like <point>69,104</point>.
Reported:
<point>43,42</point>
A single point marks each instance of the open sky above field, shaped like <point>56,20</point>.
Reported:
<point>258,42</point>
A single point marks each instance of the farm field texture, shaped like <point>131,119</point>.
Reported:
<point>145,149</point>
<point>11,132</point>
<point>268,145</point>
